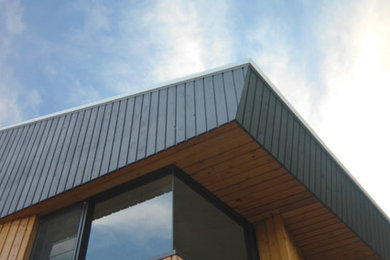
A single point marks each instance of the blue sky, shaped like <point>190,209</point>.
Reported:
<point>329,58</point>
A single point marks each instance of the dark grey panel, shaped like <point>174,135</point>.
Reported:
<point>270,121</point>
<point>42,159</point>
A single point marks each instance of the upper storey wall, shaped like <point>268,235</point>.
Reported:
<point>41,159</point>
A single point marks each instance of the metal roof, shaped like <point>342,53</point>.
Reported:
<point>42,158</point>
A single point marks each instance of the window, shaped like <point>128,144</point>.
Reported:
<point>155,216</point>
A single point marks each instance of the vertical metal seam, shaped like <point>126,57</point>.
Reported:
<point>81,147</point>
<point>225,98</point>
<point>166,120</point>
<point>260,106</point>
<point>40,157</point>
<point>215,100</point>
<point>62,147</point>
<point>266,118</point>
<point>292,136</point>
<point>46,158</point>
<point>204,104</point>
<point>185,110</point>
<point>139,127</point>
<point>175,121</point>
<point>273,126</point>
<point>157,120</point>
<point>234,87</point>
<point>68,148</point>
<point>35,133</point>
<point>246,96</point>
<point>17,170</point>
<point>32,162</point>
<point>89,146</point>
<point>105,140</point>
<point>196,114</point>
<point>54,153</point>
<point>6,138</point>
<point>123,131</point>
<point>148,125</point>
<point>115,133</point>
<point>253,100</point>
<point>131,131</point>
<point>8,160</point>
<point>97,143</point>
<point>81,114</point>
<point>280,127</point>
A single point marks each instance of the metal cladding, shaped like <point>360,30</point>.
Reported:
<point>44,158</point>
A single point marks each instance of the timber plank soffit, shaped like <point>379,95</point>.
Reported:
<point>48,157</point>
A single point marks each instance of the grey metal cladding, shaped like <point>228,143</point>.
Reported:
<point>44,158</point>
<point>270,121</point>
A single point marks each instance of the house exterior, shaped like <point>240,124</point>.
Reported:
<point>213,166</point>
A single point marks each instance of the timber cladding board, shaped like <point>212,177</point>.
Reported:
<point>172,257</point>
<point>16,238</point>
<point>230,164</point>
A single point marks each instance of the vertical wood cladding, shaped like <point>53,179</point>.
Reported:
<point>274,241</point>
<point>16,238</point>
<point>265,116</point>
<point>172,257</point>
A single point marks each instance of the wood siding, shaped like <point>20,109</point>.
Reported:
<point>16,238</point>
<point>274,241</point>
<point>172,257</point>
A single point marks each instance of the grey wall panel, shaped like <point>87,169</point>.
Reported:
<point>190,122</point>
<point>118,136</point>
<point>170,136</point>
<point>220,99</point>
<point>230,94</point>
<point>82,150</point>
<point>180,114</point>
<point>27,176</point>
<point>210,105</point>
<point>42,159</point>
<point>11,201</point>
<point>276,128</point>
<point>162,120</point>
<point>23,153</point>
<point>109,142</point>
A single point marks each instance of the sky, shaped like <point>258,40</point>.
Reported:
<point>330,59</point>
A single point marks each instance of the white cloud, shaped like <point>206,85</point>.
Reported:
<point>12,16</point>
<point>141,220</point>
<point>15,100</point>
<point>187,37</point>
<point>348,104</point>
<point>356,108</point>
<point>274,54</point>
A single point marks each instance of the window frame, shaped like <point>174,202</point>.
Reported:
<point>86,218</point>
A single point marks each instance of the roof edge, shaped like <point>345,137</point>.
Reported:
<point>151,88</point>
<point>311,130</point>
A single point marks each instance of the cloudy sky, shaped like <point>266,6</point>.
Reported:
<point>331,60</point>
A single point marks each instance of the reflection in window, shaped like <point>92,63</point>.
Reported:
<point>56,238</point>
<point>136,224</point>
<point>202,231</point>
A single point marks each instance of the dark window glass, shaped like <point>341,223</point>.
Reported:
<point>57,235</point>
<point>136,224</point>
<point>202,231</point>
